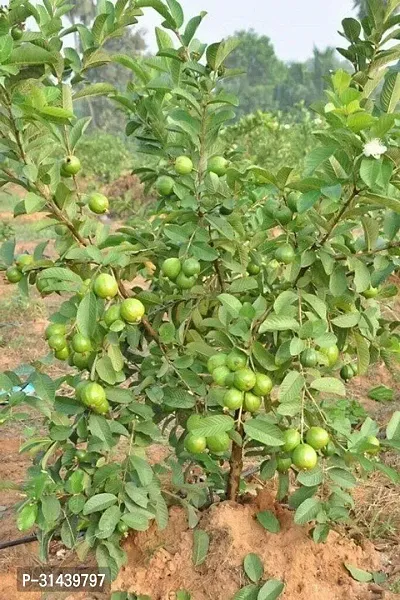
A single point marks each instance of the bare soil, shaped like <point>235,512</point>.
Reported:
<point>160,563</point>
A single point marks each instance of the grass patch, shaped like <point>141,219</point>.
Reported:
<point>377,510</point>
<point>14,311</point>
<point>25,228</point>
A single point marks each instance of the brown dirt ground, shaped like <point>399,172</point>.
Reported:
<point>159,563</point>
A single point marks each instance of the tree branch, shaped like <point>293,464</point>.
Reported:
<point>235,463</point>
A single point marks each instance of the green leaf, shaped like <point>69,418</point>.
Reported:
<point>262,431</point>
<point>291,387</point>
<point>68,534</point>
<point>371,230</point>
<point>176,12</point>
<point>269,521</point>
<point>100,428</point>
<point>67,98</point>
<point>143,469</point>
<point>384,201</point>
<point>99,502</point>
<point>317,157</point>
<point>77,131</point>
<point>26,517</point>
<point>307,511</point>
<point>61,274</point>
<point>55,114</point>
<point>86,317</point>
<point>311,478</point>
<point>7,252</point>
<point>158,6</point>
<point>307,200</point>
<point>33,203</point>
<point>95,89</point>
<point>178,398</point>
<point>106,371</point>
<point>284,300</point>
<point>278,323</point>
<point>45,386</point>
<point>301,494</point>
<point>116,357</point>
<point>338,281</point>
<point>29,54</point>
<point>191,28</point>
<point>381,393</point>
<point>320,533</point>
<point>75,483</point>
<point>136,521</point>
<point>225,48</point>
<point>253,567</point>
<point>316,304</point>
<point>243,284</point>
<point>222,226</point>
<point>347,321</point>
<point>359,121</point>
<point>161,512</point>
<point>249,592</point>
<point>108,522</point>
<point>362,278</point>
<point>183,595</point>
<point>265,358</point>
<point>358,574</point>
<point>51,508</point>
<point>352,29</point>
<point>214,425</point>
<point>183,93</point>
<point>6,46</point>
<point>76,504</point>
<point>342,477</point>
<point>330,385</point>
<point>370,171</point>
<point>390,94</point>
<point>231,304</point>
<point>163,39</point>
<point>271,590</point>
<point>393,427</point>
<point>201,542</point>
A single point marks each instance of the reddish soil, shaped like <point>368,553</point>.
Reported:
<point>160,563</point>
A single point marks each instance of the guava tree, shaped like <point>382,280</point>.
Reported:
<point>262,290</point>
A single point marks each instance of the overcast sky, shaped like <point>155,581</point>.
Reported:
<point>294,26</point>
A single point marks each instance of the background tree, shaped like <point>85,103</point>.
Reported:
<point>305,82</point>
<point>269,83</point>
<point>361,6</point>
<point>255,55</point>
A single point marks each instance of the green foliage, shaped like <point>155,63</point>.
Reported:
<point>325,243</point>
<point>274,140</point>
<point>105,156</point>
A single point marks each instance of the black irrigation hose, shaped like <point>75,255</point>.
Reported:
<point>25,540</point>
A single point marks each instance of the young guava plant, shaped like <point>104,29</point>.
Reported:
<point>259,301</point>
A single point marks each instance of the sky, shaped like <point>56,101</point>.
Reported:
<point>294,26</point>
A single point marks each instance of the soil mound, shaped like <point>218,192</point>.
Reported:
<point>160,562</point>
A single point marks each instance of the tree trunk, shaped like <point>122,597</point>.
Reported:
<point>236,467</point>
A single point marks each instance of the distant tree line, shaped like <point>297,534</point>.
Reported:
<point>269,83</point>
